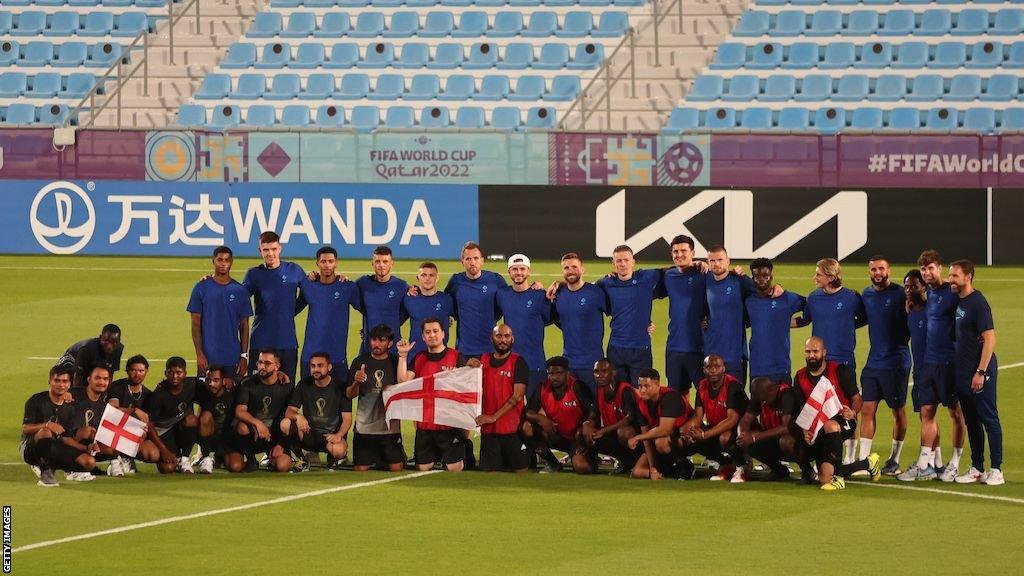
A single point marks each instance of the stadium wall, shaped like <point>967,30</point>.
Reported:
<point>791,197</point>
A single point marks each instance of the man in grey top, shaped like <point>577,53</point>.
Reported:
<point>378,442</point>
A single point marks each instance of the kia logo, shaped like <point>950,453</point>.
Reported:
<point>63,193</point>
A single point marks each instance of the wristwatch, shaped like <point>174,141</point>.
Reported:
<point>244,355</point>
<point>982,372</point>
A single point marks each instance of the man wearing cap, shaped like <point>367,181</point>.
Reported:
<point>527,311</point>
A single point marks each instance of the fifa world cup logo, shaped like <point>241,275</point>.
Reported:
<point>267,400</point>
<point>378,376</point>
<point>320,403</point>
<point>88,417</point>
<point>181,408</point>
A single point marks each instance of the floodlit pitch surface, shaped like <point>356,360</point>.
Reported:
<point>328,522</point>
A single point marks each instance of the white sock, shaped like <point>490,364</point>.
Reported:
<point>925,458</point>
<point>850,454</point>
<point>897,449</point>
<point>954,460</point>
<point>937,457</point>
<point>865,447</point>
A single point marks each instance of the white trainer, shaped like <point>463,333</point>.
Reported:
<point>37,471</point>
<point>116,468</point>
<point>970,477</point>
<point>206,465</point>
<point>79,476</point>
<point>185,465</point>
<point>949,474</point>
<point>739,476</point>
<point>993,477</point>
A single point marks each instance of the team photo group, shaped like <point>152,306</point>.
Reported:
<point>255,399</point>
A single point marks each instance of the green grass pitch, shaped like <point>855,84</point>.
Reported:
<point>472,522</point>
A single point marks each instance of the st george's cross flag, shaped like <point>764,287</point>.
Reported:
<point>450,398</point>
<point>821,405</point>
<point>120,431</point>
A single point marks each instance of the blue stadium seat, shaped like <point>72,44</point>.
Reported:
<point>403,25</point>
<point>365,118</point>
<point>343,56</point>
<point>861,23</point>
<point>875,55</point>
<point>70,55</point>
<point>720,118</point>
<point>54,114</point>
<point>295,115</point>
<point>266,25</point>
<point>44,85</point>
<point>943,119</point>
<point>481,55</point>
<point>911,55</point>
<point>964,88</point>
<point>352,3</point>
<point>935,22</point>
<point>8,53</point>
<point>576,25</point>
<point>77,85</point>
<point>541,25</point>
<point>62,24</point>
<point>829,120</point>
<point>275,55</point>
<point>505,118</point>
<point>115,3</point>
<point>949,55</point>
<point>284,87</point>
<point>989,55</point>
<point>904,119</point>
<point>21,113</point>
<point>424,87</point>
<point>705,89</point>
<point>517,56</point>
<point>851,88</point>
<point>379,55</point>
<point>611,25</point>
<point>552,57</point>
<point>191,115</point>
<point>1009,22</point>
<point>130,25</point>
<point>330,116</point>
<point>97,24</point>
<point>300,25</point>
<point>225,117</point>
<point>447,56</point>
<point>528,89</point>
<point>682,119</point>
<point>469,117</point>
<point>752,23</point>
<point>368,25</point>
<point>6,22</point>
<point>261,116</point>
<point>839,55</point>
<point>309,55</point>
<point>506,24</point>
<point>1001,88</point>
<point>318,87</point>
<point>729,56</point>
<point>825,23</point>
<point>767,55</point>
<point>29,23</point>
<point>801,55</point>
<point>435,117</point>
<point>890,88</point>
<point>815,87</point>
<point>471,24</point>
<point>400,117</point>
<point>318,3</point>
<point>214,87</point>
<point>414,55</point>
<point>493,88</point>
<point>540,118</point>
<point>971,22</point>
<point>458,87</point>
<point>1012,119</point>
<point>239,56</point>
<point>742,88</point>
<point>563,89</point>
<point>333,25</point>
<point>756,118</point>
<point>353,87</point>
<point>249,87</point>
<point>897,23</point>
<point>388,87</point>
<point>36,53</point>
<point>925,88</point>
<point>587,57</point>
<point>981,120</point>
<point>778,89</point>
<point>866,118</point>
<point>789,23</point>
<point>13,84</point>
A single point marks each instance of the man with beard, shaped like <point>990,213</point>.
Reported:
<point>326,414</point>
<point>505,375</point>
<point>555,416</point>
<point>216,417</point>
<point>579,311</point>
<point>219,310</point>
<point>329,299</point>
<point>381,294</point>
<point>259,407</point>
<point>630,293</point>
<point>662,412</point>
<point>46,444</point>
<point>527,311</point>
<point>378,441</point>
<point>173,425</point>
<point>711,431</point>
<point>613,420</point>
<point>473,292</point>
<point>426,301</point>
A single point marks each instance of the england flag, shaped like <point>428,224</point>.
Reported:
<point>821,405</point>
<point>449,398</point>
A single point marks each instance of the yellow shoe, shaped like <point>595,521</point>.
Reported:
<point>873,469</point>
<point>837,483</point>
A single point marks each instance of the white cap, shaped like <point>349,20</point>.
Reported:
<point>519,259</point>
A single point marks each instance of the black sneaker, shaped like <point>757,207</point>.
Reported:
<point>807,477</point>
<point>779,474</point>
<point>46,478</point>
<point>251,465</point>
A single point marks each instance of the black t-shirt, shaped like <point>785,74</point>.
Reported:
<point>670,405</point>
<point>221,407</point>
<point>126,399</point>
<point>266,402</point>
<point>735,398</point>
<point>87,412</point>
<point>322,407</point>
<point>847,380</point>
<point>370,414</point>
<point>521,375</point>
<point>39,409</point>
<point>89,353</point>
<point>789,401</point>
<point>166,408</point>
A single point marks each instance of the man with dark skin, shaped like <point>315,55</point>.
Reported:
<point>259,408</point>
<point>767,430</point>
<point>663,411</point>
<point>105,349</point>
<point>175,426</point>
<point>612,421</point>
<point>711,431</point>
<point>378,441</point>
<point>46,444</point>
<point>554,419</point>
<point>219,311</point>
<point>216,414</point>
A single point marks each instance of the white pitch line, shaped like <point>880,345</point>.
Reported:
<point>940,491</point>
<point>239,508</point>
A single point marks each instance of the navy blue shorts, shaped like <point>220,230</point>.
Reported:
<point>684,370</point>
<point>936,385</point>
<point>889,384</point>
<point>737,370</point>
<point>585,375</point>
<point>629,361</point>
<point>784,378</point>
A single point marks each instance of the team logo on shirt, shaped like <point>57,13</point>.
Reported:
<point>283,278</point>
<point>728,290</point>
<point>571,404</point>
<point>839,305</point>
<point>960,312</point>
<point>633,281</point>
<point>920,323</point>
<point>437,306</point>
<point>483,288</point>
<point>391,293</point>
<point>529,303</point>
<point>938,300</point>
<point>337,295</point>
<point>505,373</point>
<point>775,304</point>
<point>583,301</point>
<point>231,297</point>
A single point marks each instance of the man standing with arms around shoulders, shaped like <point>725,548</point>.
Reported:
<point>219,308</point>
<point>578,311</point>
<point>527,311</point>
<point>473,292</point>
<point>381,294</point>
<point>630,294</point>
<point>330,299</point>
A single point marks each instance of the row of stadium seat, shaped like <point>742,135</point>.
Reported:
<point>454,3</point>
<point>832,120</point>
<point>88,3</point>
<point>387,87</point>
<point>22,113</point>
<point>857,87</point>
<point>365,118</point>
<point>46,85</point>
<point>128,24</point>
<point>907,55</point>
<point>875,2</point>
<point>66,55</point>
<point>553,56</point>
<point>935,22</point>
<point>438,25</point>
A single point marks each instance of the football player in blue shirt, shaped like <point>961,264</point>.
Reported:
<point>527,311</point>
<point>579,311</point>
<point>686,287</point>
<point>726,333</point>
<point>426,301</point>
<point>381,295</point>
<point>473,293</point>
<point>630,294</point>
<point>771,318</point>
<point>219,308</point>
<point>329,299</point>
